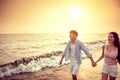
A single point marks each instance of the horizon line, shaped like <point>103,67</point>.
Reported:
<point>59,33</point>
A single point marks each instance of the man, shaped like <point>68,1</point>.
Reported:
<point>73,52</point>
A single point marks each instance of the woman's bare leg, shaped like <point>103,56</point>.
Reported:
<point>112,78</point>
<point>104,76</point>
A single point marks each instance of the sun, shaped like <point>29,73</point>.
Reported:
<point>75,13</point>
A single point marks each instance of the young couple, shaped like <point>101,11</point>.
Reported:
<point>110,53</point>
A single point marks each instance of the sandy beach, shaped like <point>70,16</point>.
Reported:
<point>86,72</point>
<point>34,34</point>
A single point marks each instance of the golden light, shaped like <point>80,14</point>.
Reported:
<point>76,13</point>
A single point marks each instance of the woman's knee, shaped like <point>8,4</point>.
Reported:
<point>104,76</point>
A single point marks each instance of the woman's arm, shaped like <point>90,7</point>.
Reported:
<point>102,55</point>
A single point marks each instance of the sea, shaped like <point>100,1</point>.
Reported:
<point>17,46</point>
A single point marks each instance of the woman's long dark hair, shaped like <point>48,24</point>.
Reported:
<point>117,44</point>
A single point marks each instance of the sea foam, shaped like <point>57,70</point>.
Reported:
<point>30,64</point>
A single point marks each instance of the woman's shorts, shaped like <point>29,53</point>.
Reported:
<point>111,70</point>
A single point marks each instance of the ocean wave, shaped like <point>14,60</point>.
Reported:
<point>91,45</point>
<point>32,64</point>
<point>96,42</point>
<point>63,43</point>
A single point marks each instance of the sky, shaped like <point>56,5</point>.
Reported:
<point>59,16</point>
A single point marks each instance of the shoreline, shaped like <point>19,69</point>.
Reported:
<point>86,72</point>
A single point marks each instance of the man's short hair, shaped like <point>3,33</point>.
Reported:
<point>74,32</point>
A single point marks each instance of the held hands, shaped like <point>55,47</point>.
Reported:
<point>94,64</point>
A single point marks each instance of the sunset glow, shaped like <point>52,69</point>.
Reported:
<point>76,13</point>
<point>59,16</point>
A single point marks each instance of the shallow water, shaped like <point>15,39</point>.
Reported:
<point>15,47</point>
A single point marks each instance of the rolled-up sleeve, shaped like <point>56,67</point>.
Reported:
<point>85,50</point>
<point>64,52</point>
<point>67,46</point>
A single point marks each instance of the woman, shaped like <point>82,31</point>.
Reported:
<point>73,52</point>
<point>111,55</point>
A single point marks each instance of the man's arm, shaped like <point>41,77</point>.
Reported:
<point>88,54</point>
<point>61,59</point>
